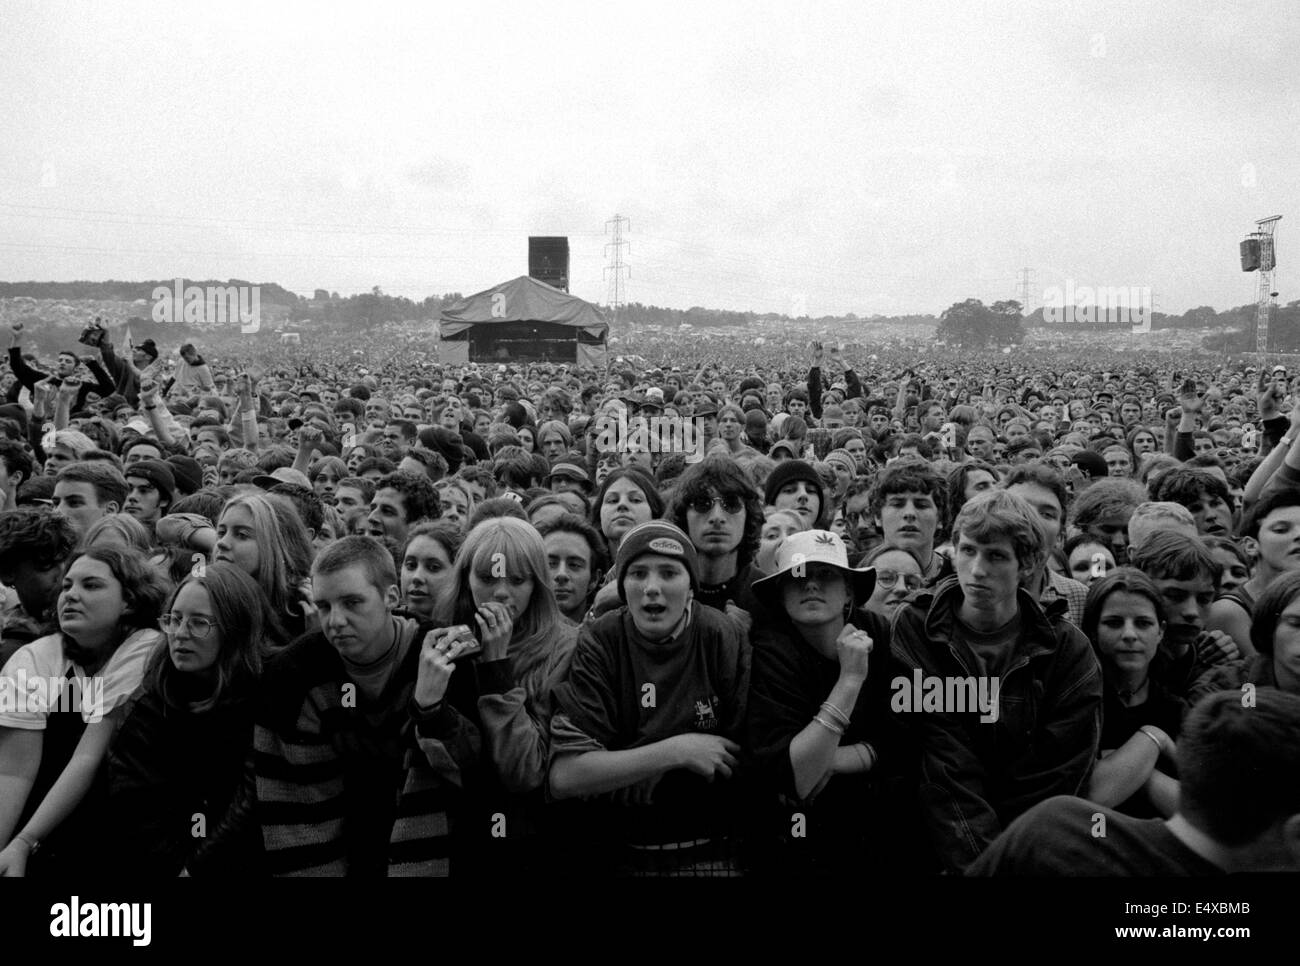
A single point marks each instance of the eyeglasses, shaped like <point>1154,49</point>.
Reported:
<point>888,578</point>
<point>730,504</point>
<point>198,627</point>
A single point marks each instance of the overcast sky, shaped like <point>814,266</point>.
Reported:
<point>864,157</point>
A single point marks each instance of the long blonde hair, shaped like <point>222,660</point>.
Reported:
<point>284,550</point>
<point>521,547</point>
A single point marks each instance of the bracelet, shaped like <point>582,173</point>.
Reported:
<point>834,729</point>
<point>1158,743</point>
<point>872,752</point>
<point>32,844</point>
<point>862,756</point>
<point>836,713</point>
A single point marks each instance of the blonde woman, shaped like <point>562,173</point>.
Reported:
<point>264,536</point>
<point>504,596</point>
<point>504,599</point>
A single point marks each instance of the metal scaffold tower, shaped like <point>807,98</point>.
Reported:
<point>1258,254</point>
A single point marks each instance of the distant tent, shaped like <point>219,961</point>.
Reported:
<point>523,320</point>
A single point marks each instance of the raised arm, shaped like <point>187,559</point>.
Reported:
<point>815,382</point>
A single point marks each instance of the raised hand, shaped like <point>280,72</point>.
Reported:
<point>309,437</point>
<point>435,668</point>
<point>495,628</point>
<point>853,648</point>
<point>1189,401</point>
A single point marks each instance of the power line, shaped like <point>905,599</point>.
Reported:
<point>1025,289</point>
<point>614,272</point>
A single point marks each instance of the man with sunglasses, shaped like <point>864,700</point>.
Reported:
<point>718,508</point>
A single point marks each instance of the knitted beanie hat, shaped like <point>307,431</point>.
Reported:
<point>157,472</point>
<point>659,537</point>
<point>845,458</point>
<point>792,471</point>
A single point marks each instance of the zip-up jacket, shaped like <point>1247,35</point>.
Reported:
<point>979,775</point>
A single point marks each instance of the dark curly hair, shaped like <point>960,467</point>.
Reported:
<point>35,537</point>
<point>419,497</point>
<point>721,474</point>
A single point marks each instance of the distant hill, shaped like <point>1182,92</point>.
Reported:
<point>113,291</point>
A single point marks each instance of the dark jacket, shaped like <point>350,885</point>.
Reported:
<point>27,377</point>
<point>815,389</point>
<point>861,818</point>
<point>977,776</point>
<point>167,767</point>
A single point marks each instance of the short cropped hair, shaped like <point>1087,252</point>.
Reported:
<point>1168,555</point>
<point>367,487</point>
<point>1151,516</point>
<point>16,459</point>
<point>108,482</point>
<point>368,552</point>
<point>1238,766</point>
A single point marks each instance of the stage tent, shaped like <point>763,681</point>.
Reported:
<point>523,320</point>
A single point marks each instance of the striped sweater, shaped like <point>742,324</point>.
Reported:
<point>343,788</point>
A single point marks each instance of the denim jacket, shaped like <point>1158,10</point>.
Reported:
<point>978,775</point>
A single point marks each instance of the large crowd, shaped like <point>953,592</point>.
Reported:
<point>342,609</point>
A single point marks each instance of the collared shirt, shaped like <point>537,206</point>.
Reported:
<point>1068,589</point>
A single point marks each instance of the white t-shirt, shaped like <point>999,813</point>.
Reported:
<point>40,678</point>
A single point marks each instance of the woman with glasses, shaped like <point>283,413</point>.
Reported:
<point>898,574</point>
<point>819,719</point>
<point>181,751</point>
<point>63,702</point>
